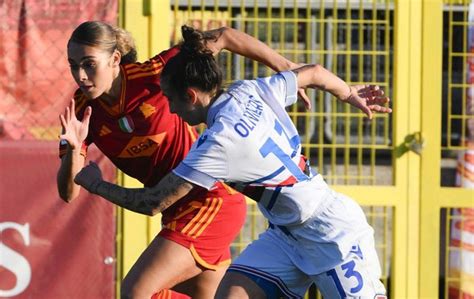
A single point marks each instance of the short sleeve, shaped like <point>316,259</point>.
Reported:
<point>281,87</point>
<point>291,87</point>
<point>206,163</point>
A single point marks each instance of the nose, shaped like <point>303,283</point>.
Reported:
<point>82,75</point>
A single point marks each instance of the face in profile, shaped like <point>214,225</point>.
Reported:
<point>92,68</point>
<point>184,109</point>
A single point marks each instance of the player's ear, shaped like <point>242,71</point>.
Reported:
<point>192,95</point>
<point>116,58</point>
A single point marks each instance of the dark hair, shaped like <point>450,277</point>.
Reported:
<point>106,37</point>
<point>193,66</point>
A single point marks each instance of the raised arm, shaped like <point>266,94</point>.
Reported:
<point>246,45</point>
<point>74,133</point>
<point>243,44</point>
<point>367,98</point>
<point>148,201</point>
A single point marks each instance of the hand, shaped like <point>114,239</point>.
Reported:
<point>74,130</point>
<point>89,177</point>
<point>368,99</point>
<point>303,96</point>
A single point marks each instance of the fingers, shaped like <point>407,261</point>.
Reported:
<point>87,116</point>
<point>73,109</point>
<point>63,122</point>
<point>307,102</point>
<point>68,114</point>
<point>381,100</point>
<point>380,109</point>
<point>370,91</point>
<point>367,112</point>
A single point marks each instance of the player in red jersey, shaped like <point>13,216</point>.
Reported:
<point>119,106</point>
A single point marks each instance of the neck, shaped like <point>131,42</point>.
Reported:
<point>113,94</point>
<point>213,98</point>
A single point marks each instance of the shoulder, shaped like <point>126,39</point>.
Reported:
<point>225,109</point>
<point>166,55</point>
<point>149,69</point>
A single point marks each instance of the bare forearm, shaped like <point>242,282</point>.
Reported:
<point>243,44</point>
<point>316,76</point>
<point>71,163</point>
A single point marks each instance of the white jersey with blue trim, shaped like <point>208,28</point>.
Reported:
<point>251,141</point>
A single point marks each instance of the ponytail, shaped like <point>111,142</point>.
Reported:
<point>106,37</point>
<point>125,45</point>
<point>193,66</point>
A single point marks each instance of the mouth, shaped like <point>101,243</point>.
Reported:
<point>86,87</point>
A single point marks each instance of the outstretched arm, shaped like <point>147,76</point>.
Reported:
<point>246,45</point>
<point>148,201</point>
<point>367,98</point>
<point>243,44</point>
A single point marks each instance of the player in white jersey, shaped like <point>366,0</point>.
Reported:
<point>315,234</point>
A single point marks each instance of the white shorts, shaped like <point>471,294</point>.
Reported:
<point>335,250</point>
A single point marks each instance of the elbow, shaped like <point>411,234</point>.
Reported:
<point>317,68</point>
<point>223,37</point>
<point>224,31</point>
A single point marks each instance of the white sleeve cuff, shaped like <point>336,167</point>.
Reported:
<point>194,176</point>
<point>291,87</point>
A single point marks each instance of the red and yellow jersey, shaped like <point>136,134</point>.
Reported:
<point>139,134</point>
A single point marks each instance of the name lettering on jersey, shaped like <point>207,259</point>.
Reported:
<point>142,146</point>
<point>147,109</point>
<point>252,113</point>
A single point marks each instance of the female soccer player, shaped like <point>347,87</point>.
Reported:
<point>315,234</point>
<point>120,107</point>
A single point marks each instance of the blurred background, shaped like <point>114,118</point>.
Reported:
<point>412,171</point>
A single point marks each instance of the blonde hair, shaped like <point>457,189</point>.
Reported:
<point>106,37</point>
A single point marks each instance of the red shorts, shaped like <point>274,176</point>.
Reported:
<point>206,222</point>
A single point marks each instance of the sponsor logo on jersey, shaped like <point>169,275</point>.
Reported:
<point>104,131</point>
<point>142,146</point>
<point>357,251</point>
<point>126,124</point>
<point>147,109</point>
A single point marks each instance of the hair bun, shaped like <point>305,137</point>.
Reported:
<point>193,42</point>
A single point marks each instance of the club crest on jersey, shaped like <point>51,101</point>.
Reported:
<point>126,124</point>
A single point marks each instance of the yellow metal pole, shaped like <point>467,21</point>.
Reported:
<point>400,106</point>
<point>413,161</point>
<point>431,84</point>
<point>149,23</point>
